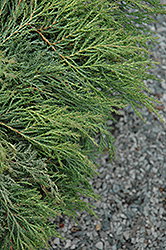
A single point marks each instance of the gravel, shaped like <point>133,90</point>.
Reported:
<point>132,212</point>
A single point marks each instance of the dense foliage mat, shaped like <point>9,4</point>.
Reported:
<point>65,67</point>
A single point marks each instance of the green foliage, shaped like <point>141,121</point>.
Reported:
<point>65,67</point>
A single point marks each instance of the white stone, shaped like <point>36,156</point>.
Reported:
<point>68,243</point>
<point>142,230</point>
<point>57,241</point>
<point>119,231</point>
<point>95,234</point>
<point>142,240</point>
<point>90,235</point>
<point>126,235</point>
<point>114,247</point>
<point>123,216</point>
<point>99,245</point>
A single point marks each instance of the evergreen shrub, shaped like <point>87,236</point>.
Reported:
<point>65,67</point>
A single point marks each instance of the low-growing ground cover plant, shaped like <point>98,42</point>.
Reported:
<point>65,67</point>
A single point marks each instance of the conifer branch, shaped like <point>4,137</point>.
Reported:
<point>45,39</point>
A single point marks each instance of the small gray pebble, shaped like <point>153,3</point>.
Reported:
<point>141,240</point>
<point>73,246</point>
<point>98,185</point>
<point>115,188</point>
<point>68,244</point>
<point>126,235</point>
<point>119,231</point>
<point>163,225</point>
<point>142,230</point>
<point>114,247</point>
<point>57,241</point>
<point>105,225</point>
<point>99,245</point>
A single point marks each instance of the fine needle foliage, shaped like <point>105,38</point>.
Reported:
<point>65,67</point>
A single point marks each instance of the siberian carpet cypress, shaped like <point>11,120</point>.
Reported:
<point>65,67</point>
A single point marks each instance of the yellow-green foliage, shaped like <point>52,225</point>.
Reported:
<point>65,67</point>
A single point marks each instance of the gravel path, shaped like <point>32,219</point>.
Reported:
<point>132,213</point>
